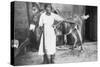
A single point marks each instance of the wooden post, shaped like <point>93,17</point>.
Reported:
<point>28,16</point>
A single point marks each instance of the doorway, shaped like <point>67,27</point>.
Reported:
<point>91,24</point>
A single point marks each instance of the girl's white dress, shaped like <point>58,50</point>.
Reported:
<point>50,37</point>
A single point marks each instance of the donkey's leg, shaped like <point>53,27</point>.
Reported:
<point>80,37</point>
<point>65,39</point>
<point>75,38</point>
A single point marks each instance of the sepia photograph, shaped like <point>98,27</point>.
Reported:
<point>53,33</point>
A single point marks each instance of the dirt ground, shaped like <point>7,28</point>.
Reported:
<point>63,55</point>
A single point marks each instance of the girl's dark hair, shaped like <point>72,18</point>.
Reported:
<point>36,5</point>
<point>46,5</point>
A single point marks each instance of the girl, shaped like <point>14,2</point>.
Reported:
<point>47,19</point>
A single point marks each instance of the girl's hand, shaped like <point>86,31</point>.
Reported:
<point>32,27</point>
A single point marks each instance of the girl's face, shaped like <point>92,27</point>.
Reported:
<point>48,9</point>
<point>34,10</point>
